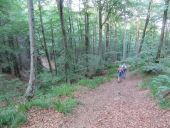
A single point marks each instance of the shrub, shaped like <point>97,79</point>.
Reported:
<point>159,86</point>
<point>153,68</point>
<point>11,118</point>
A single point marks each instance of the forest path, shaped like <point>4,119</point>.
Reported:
<point>112,105</point>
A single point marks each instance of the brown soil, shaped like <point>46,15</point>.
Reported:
<point>112,105</point>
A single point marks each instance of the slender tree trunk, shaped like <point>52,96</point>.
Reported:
<point>32,80</point>
<point>100,50</point>
<point>66,65</point>
<point>86,34</point>
<point>54,48</point>
<point>162,31</point>
<point>146,24</point>
<point>124,41</point>
<point>115,41</point>
<point>94,39</point>
<point>107,37</point>
<point>100,30</point>
<point>137,38</point>
<point>44,39</point>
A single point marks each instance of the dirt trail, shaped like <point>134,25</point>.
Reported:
<point>112,105</point>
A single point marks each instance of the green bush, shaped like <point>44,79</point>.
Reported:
<point>153,68</point>
<point>159,85</point>
<point>66,106</point>
<point>11,118</point>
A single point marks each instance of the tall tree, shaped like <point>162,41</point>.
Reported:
<point>32,80</point>
<point>162,30</point>
<point>145,27</point>
<point>86,18</point>
<point>65,40</point>
<point>43,34</point>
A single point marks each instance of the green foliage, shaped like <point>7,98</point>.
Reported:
<point>47,80</point>
<point>63,90</point>
<point>143,85</point>
<point>11,117</point>
<point>10,88</point>
<point>66,106</point>
<point>24,107</point>
<point>153,68</point>
<point>112,70</point>
<point>159,85</point>
<point>40,102</point>
<point>93,83</point>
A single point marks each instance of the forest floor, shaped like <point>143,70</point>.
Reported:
<point>112,105</point>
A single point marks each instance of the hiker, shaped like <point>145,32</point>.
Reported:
<point>120,73</point>
<point>124,67</point>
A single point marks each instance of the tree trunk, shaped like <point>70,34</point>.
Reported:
<point>124,41</point>
<point>162,31</point>
<point>54,48</point>
<point>100,31</point>
<point>115,42</point>
<point>66,65</point>
<point>86,33</point>
<point>100,50</point>
<point>31,85</point>
<point>107,37</point>
<point>137,37</point>
<point>144,30</point>
<point>44,39</point>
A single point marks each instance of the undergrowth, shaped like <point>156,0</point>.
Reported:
<point>10,117</point>
<point>49,95</point>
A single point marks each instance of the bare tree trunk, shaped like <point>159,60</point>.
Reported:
<point>31,86</point>
<point>94,39</point>
<point>107,37</point>
<point>124,41</point>
<point>162,30</point>
<point>53,45</point>
<point>115,41</point>
<point>100,30</point>
<point>146,24</point>
<point>44,39</point>
<point>66,65</point>
<point>86,33</point>
<point>137,37</point>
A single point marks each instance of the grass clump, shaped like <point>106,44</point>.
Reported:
<point>10,117</point>
<point>39,102</point>
<point>66,106</point>
<point>63,90</point>
<point>93,83</point>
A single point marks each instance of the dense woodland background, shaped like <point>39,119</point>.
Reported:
<point>73,40</point>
